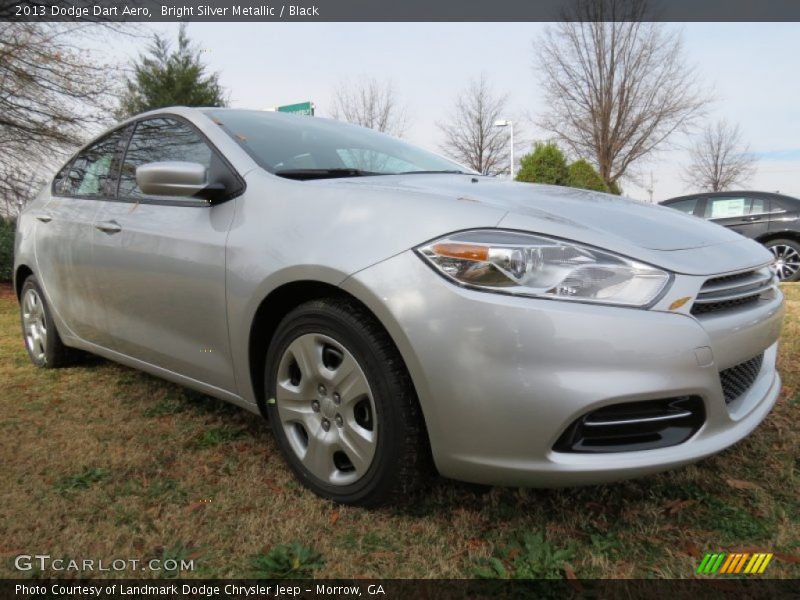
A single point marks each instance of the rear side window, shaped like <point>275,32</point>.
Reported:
<point>93,173</point>
<point>782,204</point>
<point>686,206</point>
<point>157,140</point>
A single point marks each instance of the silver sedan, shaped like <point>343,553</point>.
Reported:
<point>388,310</point>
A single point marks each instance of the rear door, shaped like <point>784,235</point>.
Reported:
<point>65,233</point>
<point>744,214</point>
<point>785,215</point>
<point>161,262</point>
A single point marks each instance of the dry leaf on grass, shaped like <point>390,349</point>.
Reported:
<point>791,558</point>
<point>568,572</point>
<point>675,506</point>
<point>196,506</point>
<point>572,579</point>
<point>692,550</point>
<point>739,484</point>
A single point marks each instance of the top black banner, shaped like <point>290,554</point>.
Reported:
<point>397,10</point>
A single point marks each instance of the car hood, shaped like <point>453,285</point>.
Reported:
<point>644,225</point>
<point>408,210</point>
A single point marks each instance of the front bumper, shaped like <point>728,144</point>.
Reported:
<point>500,378</point>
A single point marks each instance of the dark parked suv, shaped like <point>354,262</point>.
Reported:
<point>772,219</point>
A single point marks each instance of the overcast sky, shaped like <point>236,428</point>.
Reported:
<point>751,70</point>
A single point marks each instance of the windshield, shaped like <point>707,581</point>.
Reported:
<point>313,148</point>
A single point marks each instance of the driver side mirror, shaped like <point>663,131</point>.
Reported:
<point>178,179</point>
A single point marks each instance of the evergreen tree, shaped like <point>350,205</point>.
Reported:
<point>614,188</point>
<point>546,164</point>
<point>170,77</point>
<point>583,175</point>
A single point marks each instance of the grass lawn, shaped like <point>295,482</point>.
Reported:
<point>100,461</point>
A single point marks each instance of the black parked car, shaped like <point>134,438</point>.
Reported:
<point>772,219</point>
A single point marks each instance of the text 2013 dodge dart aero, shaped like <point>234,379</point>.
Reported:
<point>382,305</point>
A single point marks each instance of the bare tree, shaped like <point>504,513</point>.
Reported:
<point>470,135</point>
<point>617,87</point>
<point>54,92</point>
<point>370,103</point>
<point>719,159</point>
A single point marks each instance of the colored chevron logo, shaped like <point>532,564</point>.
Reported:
<point>731,564</point>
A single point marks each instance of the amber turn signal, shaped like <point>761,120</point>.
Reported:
<point>679,302</point>
<point>462,251</point>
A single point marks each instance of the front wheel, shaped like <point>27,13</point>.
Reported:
<point>787,259</point>
<point>343,409</point>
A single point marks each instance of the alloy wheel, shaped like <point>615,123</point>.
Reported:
<point>787,260</point>
<point>34,324</point>
<point>326,409</point>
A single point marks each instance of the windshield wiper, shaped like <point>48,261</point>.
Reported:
<point>453,171</point>
<point>303,174</point>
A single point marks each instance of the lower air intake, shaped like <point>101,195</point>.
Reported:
<point>633,426</point>
<point>737,380</point>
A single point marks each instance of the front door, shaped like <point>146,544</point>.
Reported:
<point>746,215</point>
<point>161,263</point>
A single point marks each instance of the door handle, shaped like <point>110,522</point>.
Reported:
<point>749,219</point>
<point>43,217</point>
<point>108,226</point>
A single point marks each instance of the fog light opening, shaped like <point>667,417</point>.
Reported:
<point>634,426</point>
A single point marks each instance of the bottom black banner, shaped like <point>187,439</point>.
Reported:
<point>438,589</point>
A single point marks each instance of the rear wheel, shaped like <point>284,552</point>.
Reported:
<point>42,341</point>
<point>787,258</point>
<point>343,409</point>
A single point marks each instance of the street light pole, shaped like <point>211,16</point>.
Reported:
<point>511,131</point>
<point>510,126</point>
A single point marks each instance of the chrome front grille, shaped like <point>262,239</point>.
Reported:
<point>729,292</point>
<point>737,380</point>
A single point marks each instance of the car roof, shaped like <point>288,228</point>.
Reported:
<point>183,111</point>
<point>731,193</point>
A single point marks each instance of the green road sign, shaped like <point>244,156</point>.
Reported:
<point>301,108</point>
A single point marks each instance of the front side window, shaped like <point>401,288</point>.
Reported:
<point>157,140</point>
<point>724,208</point>
<point>60,181</point>
<point>310,147</point>
<point>686,206</point>
<point>93,173</point>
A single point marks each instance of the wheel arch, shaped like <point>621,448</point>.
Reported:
<point>787,234</point>
<point>20,275</point>
<point>276,305</point>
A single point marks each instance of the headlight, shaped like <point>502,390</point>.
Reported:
<point>533,265</point>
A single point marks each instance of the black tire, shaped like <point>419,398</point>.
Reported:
<point>53,353</point>
<point>401,453</point>
<point>792,245</point>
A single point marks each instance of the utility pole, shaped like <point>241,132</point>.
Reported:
<point>651,187</point>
